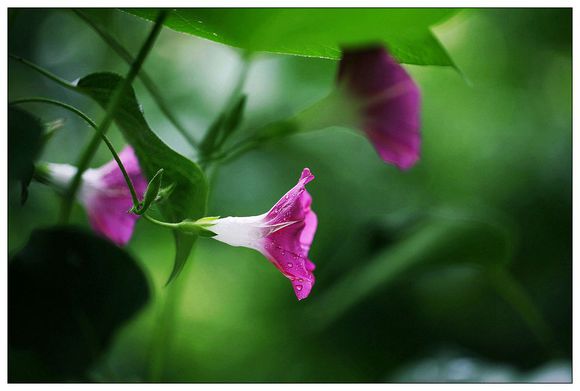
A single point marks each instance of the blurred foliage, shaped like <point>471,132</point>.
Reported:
<point>25,133</point>
<point>188,199</point>
<point>400,255</point>
<point>69,291</point>
<point>25,139</point>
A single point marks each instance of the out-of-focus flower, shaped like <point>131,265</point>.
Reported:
<point>104,194</point>
<point>283,234</point>
<point>388,100</point>
<point>374,94</point>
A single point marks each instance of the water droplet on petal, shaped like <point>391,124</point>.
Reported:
<point>298,287</point>
<point>289,264</point>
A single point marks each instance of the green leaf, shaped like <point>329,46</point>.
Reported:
<point>69,291</point>
<point>25,142</point>
<point>316,32</point>
<point>188,198</point>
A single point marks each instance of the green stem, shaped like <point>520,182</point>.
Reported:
<point>143,76</point>
<point>163,333</point>
<point>86,118</point>
<point>515,294</point>
<point>162,223</point>
<point>120,91</point>
<point>44,72</point>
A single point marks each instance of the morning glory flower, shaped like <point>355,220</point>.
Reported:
<point>376,95</point>
<point>283,234</point>
<point>104,194</point>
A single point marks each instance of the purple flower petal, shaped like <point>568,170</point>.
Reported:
<point>107,199</point>
<point>283,234</point>
<point>389,103</point>
<point>287,248</point>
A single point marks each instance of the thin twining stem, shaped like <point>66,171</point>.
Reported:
<point>44,72</point>
<point>119,92</point>
<point>89,121</point>
<point>147,81</point>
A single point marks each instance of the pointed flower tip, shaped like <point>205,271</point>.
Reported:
<point>302,288</point>
<point>388,101</point>
<point>402,164</point>
<point>306,176</point>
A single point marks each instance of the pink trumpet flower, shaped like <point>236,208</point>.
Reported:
<point>104,194</point>
<point>283,235</point>
<point>388,102</point>
<point>376,95</point>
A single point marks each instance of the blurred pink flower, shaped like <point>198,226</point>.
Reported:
<point>105,195</point>
<point>283,235</point>
<point>376,95</point>
<point>388,103</point>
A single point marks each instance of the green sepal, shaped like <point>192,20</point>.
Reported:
<point>204,233</point>
<point>164,193</point>
<point>51,128</point>
<point>150,193</point>
<point>198,227</point>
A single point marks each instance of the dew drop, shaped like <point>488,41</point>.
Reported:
<point>290,264</point>
<point>298,287</point>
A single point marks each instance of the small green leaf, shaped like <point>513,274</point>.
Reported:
<point>69,292</point>
<point>224,125</point>
<point>316,32</point>
<point>207,144</point>
<point>233,119</point>
<point>151,192</point>
<point>188,199</point>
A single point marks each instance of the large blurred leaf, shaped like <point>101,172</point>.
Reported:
<point>189,196</point>
<point>316,32</point>
<point>24,145</point>
<point>68,292</point>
